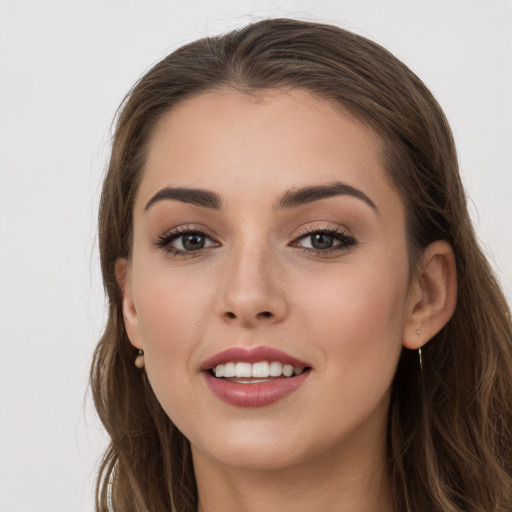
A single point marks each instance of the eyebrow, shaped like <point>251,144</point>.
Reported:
<point>305,195</point>
<point>291,199</point>
<point>195,196</point>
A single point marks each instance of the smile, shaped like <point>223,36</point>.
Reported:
<point>254,377</point>
<point>260,370</point>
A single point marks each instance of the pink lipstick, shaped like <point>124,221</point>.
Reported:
<point>253,377</point>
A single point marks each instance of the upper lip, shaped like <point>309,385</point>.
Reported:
<point>252,355</point>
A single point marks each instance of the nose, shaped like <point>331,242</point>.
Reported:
<point>253,291</point>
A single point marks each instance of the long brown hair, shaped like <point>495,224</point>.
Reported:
<point>450,423</point>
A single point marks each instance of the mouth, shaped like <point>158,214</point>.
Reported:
<point>253,373</point>
<point>254,377</point>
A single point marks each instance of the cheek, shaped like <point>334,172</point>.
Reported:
<point>173,313</point>
<point>358,315</point>
<point>173,310</point>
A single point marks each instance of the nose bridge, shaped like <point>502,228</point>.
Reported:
<point>253,290</point>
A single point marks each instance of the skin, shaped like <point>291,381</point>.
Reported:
<point>258,281</point>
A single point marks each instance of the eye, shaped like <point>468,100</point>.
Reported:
<point>185,241</point>
<point>320,241</point>
<point>324,241</point>
<point>192,242</point>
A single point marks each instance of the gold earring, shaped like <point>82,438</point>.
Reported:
<point>139,360</point>
<point>418,332</point>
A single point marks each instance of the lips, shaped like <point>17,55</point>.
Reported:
<point>252,355</point>
<point>253,377</point>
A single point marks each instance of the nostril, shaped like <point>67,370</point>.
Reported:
<point>263,314</point>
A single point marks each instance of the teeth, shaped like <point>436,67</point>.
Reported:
<point>276,369</point>
<point>287,370</point>
<point>229,370</point>
<point>243,370</point>
<point>259,370</point>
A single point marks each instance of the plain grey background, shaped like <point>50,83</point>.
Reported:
<point>64,68</point>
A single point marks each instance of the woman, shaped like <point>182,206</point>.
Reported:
<point>300,317</point>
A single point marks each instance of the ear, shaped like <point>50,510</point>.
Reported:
<point>131,319</point>
<point>433,295</point>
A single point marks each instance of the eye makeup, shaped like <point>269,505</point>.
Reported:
<point>323,241</point>
<point>185,241</point>
<point>189,241</point>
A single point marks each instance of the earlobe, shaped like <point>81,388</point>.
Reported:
<point>433,295</point>
<point>131,321</point>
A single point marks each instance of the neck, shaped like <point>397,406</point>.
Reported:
<point>352,480</point>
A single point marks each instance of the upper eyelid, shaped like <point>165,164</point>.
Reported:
<point>310,230</point>
<point>337,231</point>
<point>323,229</point>
<point>176,232</point>
<point>341,234</point>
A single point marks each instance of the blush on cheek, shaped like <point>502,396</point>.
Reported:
<point>173,318</point>
<point>360,322</point>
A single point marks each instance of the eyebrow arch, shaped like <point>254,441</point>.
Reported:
<point>195,196</point>
<point>305,195</point>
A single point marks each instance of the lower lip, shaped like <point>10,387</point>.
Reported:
<point>254,395</point>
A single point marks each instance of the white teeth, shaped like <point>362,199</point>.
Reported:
<point>276,369</point>
<point>260,370</point>
<point>287,370</point>
<point>243,370</point>
<point>229,370</point>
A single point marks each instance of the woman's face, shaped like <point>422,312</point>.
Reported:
<point>267,233</point>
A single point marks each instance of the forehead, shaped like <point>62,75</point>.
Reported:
<point>238,143</point>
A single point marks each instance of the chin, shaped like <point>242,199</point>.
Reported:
<point>262,446</point>
<point>253,456</point>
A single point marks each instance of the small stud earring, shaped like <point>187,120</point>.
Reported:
<point>418,332</point>
<point>139,360</point>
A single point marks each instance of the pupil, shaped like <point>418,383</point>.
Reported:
<point>193,242</point>
<point>322,241</point>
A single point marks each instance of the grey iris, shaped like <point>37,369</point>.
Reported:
<point>322,241</point>
<point>193,242</point>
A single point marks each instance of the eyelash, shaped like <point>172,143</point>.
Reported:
<point>165,241</point>
<point>346,241</point>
